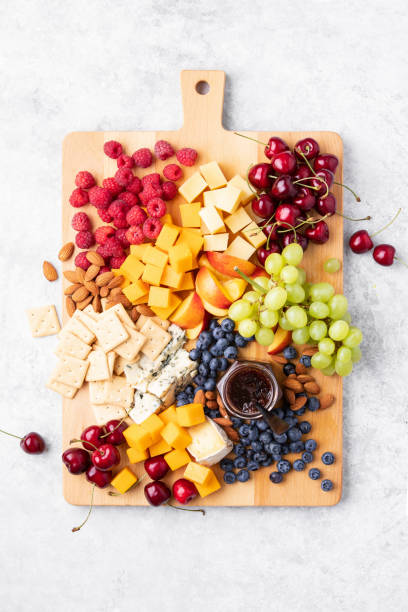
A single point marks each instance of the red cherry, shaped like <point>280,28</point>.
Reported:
<point>284,163</point>
<point>360,242</point>
<point>322,186</point>
<point>101,478</point>
<point>115,431</point>
<point>258,176</point>
<point>156,467</point>
<point>157,493</point>
<point>32,443</point>
<point>76,460</point>
<point>184,490</point>
<point>271,230</point>
<point>384,254</point>
<point>302,172</point>
<point>304,199</point>
<point>263,253</point>
<point>286,214</point>
<point>105,457</point>
<point>319,233</point>
<point>283,188</point>
<point>327,205</point>
<point>275,145</point>
<point>93,435</point>
<point>263,207</point>
<point>308,146</point>
<point>289,237</point>
<point>326,162</point>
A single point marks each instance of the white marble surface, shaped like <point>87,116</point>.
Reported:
<point>115,65</point>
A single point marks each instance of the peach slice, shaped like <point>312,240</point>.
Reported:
<point>194,332</point>
<point>259,272</point>
<point>210,289</point>
<point>282,339</point>
<point>235,287</point>
<point>217,312</point>
<point>204,263</point>
<point>224,264</point>
<point>190,313</point>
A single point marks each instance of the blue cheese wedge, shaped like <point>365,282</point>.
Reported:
<point>173,375</point>
<point>145,404</point>
<point>210,443</point>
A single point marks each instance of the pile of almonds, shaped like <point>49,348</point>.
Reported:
<point>212,401</point>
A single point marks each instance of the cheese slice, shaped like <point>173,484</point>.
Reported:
<point>210,443</point>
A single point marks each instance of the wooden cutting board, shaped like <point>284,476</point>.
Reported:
<point>203,130</point>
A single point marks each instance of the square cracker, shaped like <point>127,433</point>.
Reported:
<point>123,315</point>
<point>72,345</point>
<point>157,339</point>
<point>71,371</point>
<point>43,321</point>
<point>78,328</point>
<point>87,318</point>
<point>141,321</point>
<point>112,357</point>
<point>97,392</point>
<point>131,347</point>
<point>61,388</point>
<point>110,331</point>
<point>106,412</point>
<point>119,392</point>
<point>98,366</point>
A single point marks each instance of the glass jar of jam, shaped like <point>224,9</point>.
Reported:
<point>247,383</point>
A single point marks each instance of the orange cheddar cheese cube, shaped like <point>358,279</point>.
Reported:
<point>138,249</point>
<point>199,474</point>
<point>124,480</point>
<point>136,290</point>
<point>132,268</point>
<point>167,237</point>
<point>193,238</point>
<point>159,448</point>
<point>155,256</point>
<point>189,214</point>
<point>159,297</point>
<point>137,437</point>
<point>167,218</point>
<point>181,258</point>
<point>135,455</point>
<point>153,426</point>
<point>169,415</point>
<point>164,313</point>
<point>190,415</point>
<point>177,458</point>
<point>171,278</point>
<point>152,274</point>
<point>187,282</point>
<point>209,487</point>
<point>176,436</point>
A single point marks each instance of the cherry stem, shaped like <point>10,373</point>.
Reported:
<point>122,420</point>
<point>367,218</point>
<point>186,509</point>
<point>89,511</point>
<point>114,494</point>
<point>253,139</point>
<point>308,164</point>
<point>309,221</point>
<point>10,434</point>
<point>251,281</point>
<point>358,199</point>
<point>401,261</point>
<point>388,224</point>
<point>86,442</point>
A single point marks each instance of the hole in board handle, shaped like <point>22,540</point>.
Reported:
<point>202,88</point>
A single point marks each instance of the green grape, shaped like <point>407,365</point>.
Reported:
<point>343,369</point>
<point>293,254</point>
<point>296,316</point>
<point>289,274</point>
<point>338,330</point>
<point>301,276</point>
<point>240,310</point>
<point>355,354</point>
<point>296,293</point>
<point>301,335</point>
<point>347,317</point>
<point>353,338</point>
<point>264,336</point>
<point>327,346</point>
<point>276,297</point>
<point>338,306</point>
<point>263,282</point>
<point>318,330</point>
<point>321,292</point>
<point>343,354</point>
<point>320,361</point>
<point>251,297</point>
<point>268,318</point>
<point>274,263</point>
<point>330,370</point>
<point>332,265</point>
<point>318,310</point>
<point>247,327</point>
<point>284,324</point>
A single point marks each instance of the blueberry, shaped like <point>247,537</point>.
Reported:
<point>189,389</point>
<point>327,458</point>
<point>228,325</point>
<point>265,437</point>
<point>294,434</point>
<point>203,370</point>
<point>244,430</point>
<point>181,402</point>
<point>253,422</point>
<point>289,412</point>
<point>326,485</point>
<point>299,465</point>
<point>307,457</point>
<point>199,380</point>
<point>239,462</point>
<point>285,449</point>
<point>213,363</point>
<point>213,414</point>
<point>279,413</point>
<point>182,395</point>
<point>194,354</point>
<point>218,333</point>
<point>300,411</point>
<point>210,384</point>
<point>296,447</point>
<point>291,421</point>
<point>213,324</point>
<point>229,477</point>
<point>199,344</point>
<point>253,465</point>
<point>275,477</point>
<point>239,449</point>
<point>261,425</point>
<point>310,445</point>
<point>306,360</point>
<point>268,461</point>
<point>243,476</point>
<point>257,446</point>
<point>274,449</point>
<point>240,341</point>
<point>222,364</point>
<point>314,473</point>
<point>205,335</point>
<point>245,440</point>
<point>222,344</point>
<point>280,438</point>
<point>236,422</point>
<point>227,465</point>
<point>290,352</point>
<point>213,374</point>
<point>253,433</point>
<point>284,466</point>
<point>249,453</point>
<point>305,427</point>
<point>261,456</point>
<point>230,336</point>
<point>277,457</point>
<point>289,368</point>
<point>215,351</point>
<point>206,357</point>
<point>231,352</point>
<point>313,403</point>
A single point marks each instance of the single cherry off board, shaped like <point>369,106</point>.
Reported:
<point>203,130</point>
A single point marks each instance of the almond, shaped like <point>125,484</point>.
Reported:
<point>66,251</point>
<point>92,272</point>
<point>292,375</point>
<point>310,351</point>
<point>304,378</point>
<point>49,271</point>
<point>116,282</point>
<point>80,273</point>
<point>326,400</point>
<point>300,368</point>
<point>95,258</point>
<point>232,434</point>
<point>279,359</point>
<point>221,406</point>
<point>134,314</point>
<point>84,303</point>
<point>223,421</point>
<point>71,288</point>
<point>104,278</point>
<point>92,287</point>
<point>312,387</point>
<point>96,304</point>
<point>199,397</point>
<point>70,306</point>
<point>122,299</point>
<point>211,395</point>
<point>80,294</point>
<point>289,395</point>
<point>212,404</point>
<point>299,402</point>
<point>293,384</point>
<point>104,291</point>
<point>145,310</point>
<point>71,275</point>
<point>114,291</point>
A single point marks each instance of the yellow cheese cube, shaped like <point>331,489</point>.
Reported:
<point>138,249</point>
<point>187,283</point>
<point>209,487</point>
<point>177,458</point>
<point>153,425</point>
<point>180,258</point>
<point>210,198</point>
<point>169,415</point>
<point>141,300</point>
<point>189,214</point>
<point>137,437</point>
<point>192,187</point>
<point>254,235</point>
<point>135,455</point>
<point>190,414</point>
<point>228,199</point>
<point>167,237</point>
<point>132,268</point>
<point>240,248</point>
<point>171,278</point>
<point>167,218</point>
<point>212,220</point>
<point>159,448</point>
<point>176,436</point>
<point>238,220</point>
<point>164,313</point>
<point>193,238</point>
<point>159,296</point>
<point>154,256</point>
<point>124,480</point>
<point>197,473</point>
<point>136,290</point>
<point>216,242</point>
<point>152,274</point>
<point>213,175</point>
<point>240,183</point>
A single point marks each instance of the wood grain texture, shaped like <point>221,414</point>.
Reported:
<point>203,130</point>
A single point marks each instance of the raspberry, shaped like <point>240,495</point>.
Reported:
<point>103,251</point>
<point>149,193</point>
<point>130,198</point>
<point>136,215</point>
<point>124,176</point>
<point>118,207</point>
<point>172,172</point>
<point>113,149</point>
<point>113,246</point>
<point>156,208</point>
<point>84,179</point>
<point>120,221</point>
<point>125,161</point>
<point>104,215</point>
<point>135,234</point>
<point>112,185</point>
<point>104,232</point>
<point>169,190</point>
<point>84,239</point>
<point>81,260</point>
<point>135,186</point>
<point>163,149</point>
<point>80,222</point>
<point>187,157</point>
<point>104,269</point>
<point>151,180</point>
<point>116,262</point>
<point>100,197</point>
<point>120,234</point>
<point>79,197</point>
<point>152,228</point>
<point>143,158</point>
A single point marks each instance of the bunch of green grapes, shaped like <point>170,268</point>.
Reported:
<point>313,312</point>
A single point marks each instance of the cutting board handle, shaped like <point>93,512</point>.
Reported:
<point>203,110</point>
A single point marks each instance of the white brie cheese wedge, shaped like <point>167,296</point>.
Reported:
<point>209,443</point>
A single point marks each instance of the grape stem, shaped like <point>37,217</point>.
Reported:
<point>388,224</point>
<point>251,281</point>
